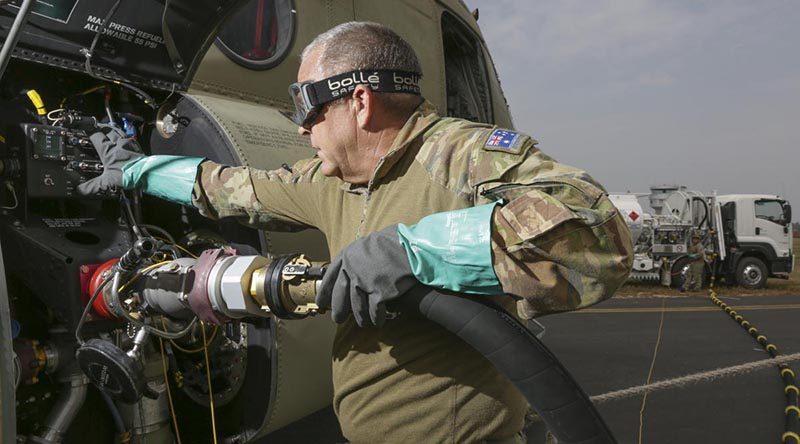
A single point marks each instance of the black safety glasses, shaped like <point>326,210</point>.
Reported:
<point>306,112</point>
<point>309,98</point>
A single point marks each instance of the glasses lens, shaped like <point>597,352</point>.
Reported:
<point>311,117</point>
<point>301,109</point>
<point>304,113</point>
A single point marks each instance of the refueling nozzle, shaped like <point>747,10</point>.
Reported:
<point>219,286</point>
<point>288,286</point>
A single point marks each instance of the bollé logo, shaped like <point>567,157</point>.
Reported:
<point>408,83</point>
<point>353,79</point>
<point>399,79</point>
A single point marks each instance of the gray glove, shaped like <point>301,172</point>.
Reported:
<point>115,150</point>
<point>367,274</point>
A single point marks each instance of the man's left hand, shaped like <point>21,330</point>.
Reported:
<point>115,149</point>
<point>367,274</point>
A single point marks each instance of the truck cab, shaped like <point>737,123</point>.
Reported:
<point>758,237</point>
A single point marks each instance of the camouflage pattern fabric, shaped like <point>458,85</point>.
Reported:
<point>558,244</point>
<point>697,267</point>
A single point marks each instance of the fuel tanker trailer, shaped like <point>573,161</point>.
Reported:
<point>749,234</point>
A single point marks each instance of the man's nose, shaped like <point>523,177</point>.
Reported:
<point>302,131</point>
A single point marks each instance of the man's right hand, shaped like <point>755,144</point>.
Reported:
<point>115,150</point>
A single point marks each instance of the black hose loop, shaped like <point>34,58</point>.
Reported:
<point>517,354</point>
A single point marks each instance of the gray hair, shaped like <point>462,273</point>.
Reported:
<point>362,45</point>
<point>366,45</point>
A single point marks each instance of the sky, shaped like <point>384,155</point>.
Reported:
<point>641,92</point>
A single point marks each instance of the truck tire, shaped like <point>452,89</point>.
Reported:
<point>679,272</point>
<point>751,272</point>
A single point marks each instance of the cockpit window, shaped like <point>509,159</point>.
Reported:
<point>259,34</point>
<point>468,94</point>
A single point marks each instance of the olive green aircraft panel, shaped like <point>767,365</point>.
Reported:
<point>419,25</point>
<point>460,10</point>
<point>301,368</point>
<point>264,138</point>
<point>502,114</point>
<point>218,74</point>
<point>417,21</point>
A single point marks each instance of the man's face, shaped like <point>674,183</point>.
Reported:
<point>333,132</point>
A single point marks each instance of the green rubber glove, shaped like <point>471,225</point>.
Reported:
<point>452,250</point>
<point>168,177</point>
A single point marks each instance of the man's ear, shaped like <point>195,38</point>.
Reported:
<point>364,102</point>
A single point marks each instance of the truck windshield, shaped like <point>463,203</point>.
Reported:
<point>777,211</point>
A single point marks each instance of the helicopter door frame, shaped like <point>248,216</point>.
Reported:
<point>8,417</point>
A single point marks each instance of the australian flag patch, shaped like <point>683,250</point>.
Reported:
<point>503,140</point>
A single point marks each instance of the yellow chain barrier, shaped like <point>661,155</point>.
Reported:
<point>792,430</point>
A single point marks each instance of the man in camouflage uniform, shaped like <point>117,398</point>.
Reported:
<point>693,280</point>
<point>388,169</point>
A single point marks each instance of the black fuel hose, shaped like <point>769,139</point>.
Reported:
<point>119,424</point>
<point>517,354</point>
<point>705,209</point>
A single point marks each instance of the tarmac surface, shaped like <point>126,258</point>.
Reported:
<point>613,345</point>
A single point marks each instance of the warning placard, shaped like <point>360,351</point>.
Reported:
<point>123,32</point>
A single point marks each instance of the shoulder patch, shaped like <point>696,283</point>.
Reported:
<point>504,140</point>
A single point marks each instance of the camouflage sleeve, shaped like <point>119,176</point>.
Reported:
<point>699,251</point>
<point>558,242</point>
<point>280,200</point>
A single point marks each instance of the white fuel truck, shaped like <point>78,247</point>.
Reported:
<point>751,234</point>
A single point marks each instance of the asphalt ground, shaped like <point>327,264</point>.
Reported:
<point>614,345</point>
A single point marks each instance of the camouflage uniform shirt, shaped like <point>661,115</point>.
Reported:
<point>558,244</point>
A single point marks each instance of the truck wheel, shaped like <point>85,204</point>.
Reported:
<point>751,273</point>
<point>679,270</point>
